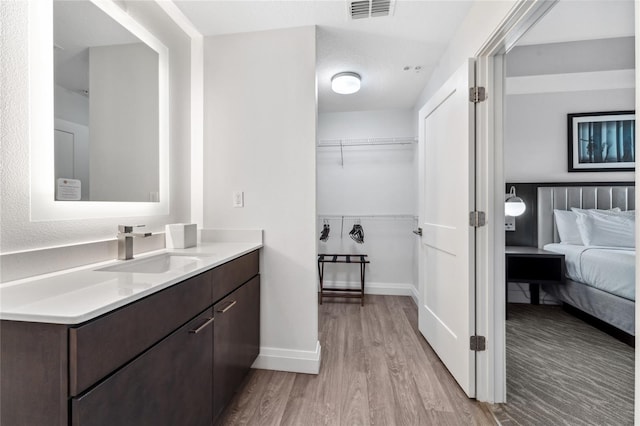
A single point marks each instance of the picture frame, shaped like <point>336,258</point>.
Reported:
<point>601,141</point>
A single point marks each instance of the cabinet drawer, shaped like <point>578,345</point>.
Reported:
<point>231,275</point>
<point>171,384</point>
<point>105,344</point>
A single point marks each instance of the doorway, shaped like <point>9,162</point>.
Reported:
<point>502,145</point>
<point>552,375</point>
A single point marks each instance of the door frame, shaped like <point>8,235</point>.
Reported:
<point>490,239</point>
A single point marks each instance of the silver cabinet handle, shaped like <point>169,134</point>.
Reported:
<point>199,329</point>
<point>418,232</point>
<point>229,306</point>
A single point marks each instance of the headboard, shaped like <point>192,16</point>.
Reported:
<point>584,197</point>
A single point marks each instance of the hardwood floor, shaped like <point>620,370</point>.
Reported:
<point>376,369</point>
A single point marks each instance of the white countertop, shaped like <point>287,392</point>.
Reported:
<point>76,295</point>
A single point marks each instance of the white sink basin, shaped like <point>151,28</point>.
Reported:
<point>158,264</point>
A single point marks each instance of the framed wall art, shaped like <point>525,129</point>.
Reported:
<point>602,141</point>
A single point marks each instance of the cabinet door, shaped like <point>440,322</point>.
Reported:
<point>33,373</point>
<point>170,384</point>
<point>236,341</point>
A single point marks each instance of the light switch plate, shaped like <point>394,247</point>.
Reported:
<point>238,199</point>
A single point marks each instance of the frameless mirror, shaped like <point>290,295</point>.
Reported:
<point>106,108</point>
<point>43,203</point>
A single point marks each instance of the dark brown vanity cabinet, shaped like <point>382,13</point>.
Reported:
<point>170,384</point>
<point>236,338</point>
<point>174,357</point>
<point>101,346</point>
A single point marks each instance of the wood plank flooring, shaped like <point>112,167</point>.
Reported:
<point>376,369</point>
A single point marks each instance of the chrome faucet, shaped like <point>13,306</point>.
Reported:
<point>125,240</point>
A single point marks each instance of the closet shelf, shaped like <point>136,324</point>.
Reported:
<point>327,143</point>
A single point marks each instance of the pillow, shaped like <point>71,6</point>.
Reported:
<point>566,223</point>
<point>627,213</point>
<point>613,211</point>
<point>607,230</point>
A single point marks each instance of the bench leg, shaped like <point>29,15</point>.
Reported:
<point>321,273</point>
<point>362,284</point>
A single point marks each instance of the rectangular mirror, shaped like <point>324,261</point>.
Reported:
<point>106,110</point>
<point>108,144</point>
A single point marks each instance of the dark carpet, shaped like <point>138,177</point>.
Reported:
<point>562,371</point>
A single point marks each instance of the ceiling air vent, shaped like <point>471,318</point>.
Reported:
<point>361,9</point>
<point>380,8</point>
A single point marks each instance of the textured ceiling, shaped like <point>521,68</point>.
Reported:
<point>378,48</point>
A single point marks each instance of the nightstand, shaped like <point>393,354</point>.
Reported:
<point>534,266</point>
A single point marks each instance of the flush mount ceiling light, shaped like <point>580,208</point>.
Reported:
<point>345,83</point>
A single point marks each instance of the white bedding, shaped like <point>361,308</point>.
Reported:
<point>606,268</point>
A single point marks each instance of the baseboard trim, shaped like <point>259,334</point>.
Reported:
<point>295,361</point>
<point>415,295</point>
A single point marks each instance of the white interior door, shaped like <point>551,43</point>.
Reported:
<point>64,154</point>
<point>447,279</point>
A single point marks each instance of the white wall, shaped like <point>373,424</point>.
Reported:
<point>260,132</point>
<point>388,123</point>
<point>479,24</point>
<point>71,106</point>
<point>71,115</point>
<point>78,158</point>
<point>572,57</point>
<point>30,248</point>
<point>124,132</point>
<point>375,180</point>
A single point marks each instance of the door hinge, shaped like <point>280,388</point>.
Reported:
<point>477,94</point>
<point>477,343</point>
<point>477,219</point>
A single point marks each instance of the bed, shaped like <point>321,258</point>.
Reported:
<point>601,271</point>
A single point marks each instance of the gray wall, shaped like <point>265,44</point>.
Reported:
<point>571,57</point>
<point>536,146</point>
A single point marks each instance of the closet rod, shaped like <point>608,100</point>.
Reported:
<point>325,143</point>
